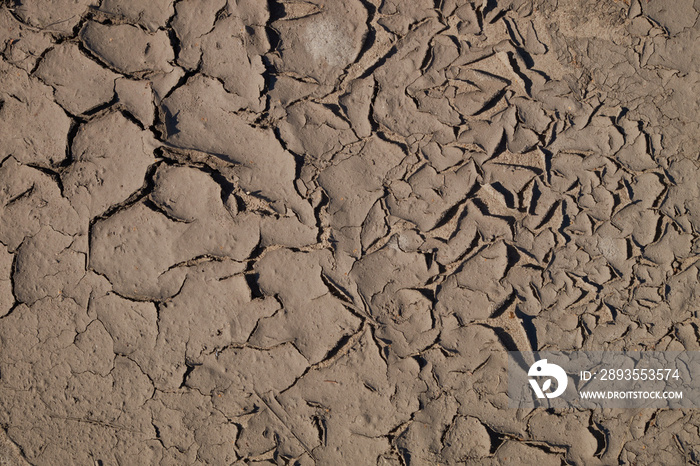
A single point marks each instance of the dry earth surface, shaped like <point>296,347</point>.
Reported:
<point>307,232</point>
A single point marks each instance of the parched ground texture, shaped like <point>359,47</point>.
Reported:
<point>307,232</point>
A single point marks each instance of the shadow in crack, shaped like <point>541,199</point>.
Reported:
<point>171,122</point>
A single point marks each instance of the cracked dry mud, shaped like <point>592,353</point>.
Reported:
<point>307,232</point>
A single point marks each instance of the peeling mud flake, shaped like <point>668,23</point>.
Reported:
<point>31,200</point>
<point>110,158</point>
<point>46,265</point>
<point>231,52</point>
<point>323,42</point>
<point>311,317</point>
<point>59,16</point>
<point>201,115</point>
<point>6,297</point>
<point>128,49</point>
<point>136,97</point>
<point>34,129</point>
<point>23,44</point>
<point>78,88</point>
<point>143,249</point>
<point>152,15</point>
